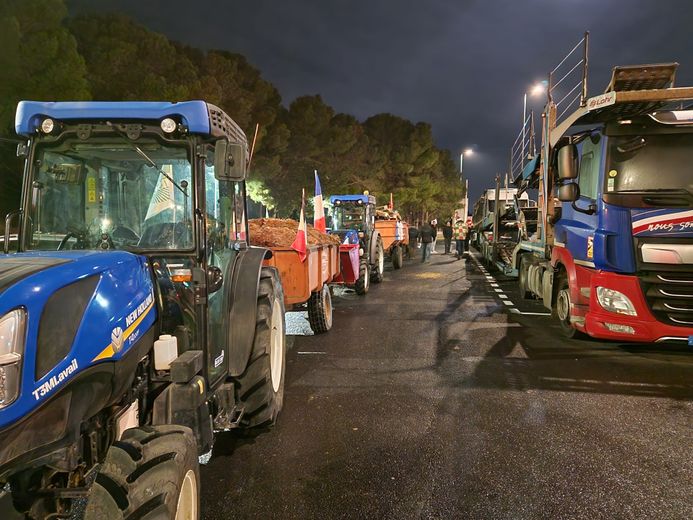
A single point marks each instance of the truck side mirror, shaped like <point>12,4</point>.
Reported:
<point>229,161</point>
<point>568,162</point>
<point>568,192</point>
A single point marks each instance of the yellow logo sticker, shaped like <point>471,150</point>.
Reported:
<point>590,247</point>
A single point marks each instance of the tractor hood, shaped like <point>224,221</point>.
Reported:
<point>76,309</point>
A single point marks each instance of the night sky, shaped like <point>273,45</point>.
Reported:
<point>461,65</point>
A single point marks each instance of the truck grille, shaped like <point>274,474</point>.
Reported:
<point>670,296</point>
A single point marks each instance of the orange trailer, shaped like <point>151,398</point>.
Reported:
<point>395,236</point>
<point>307,282</point>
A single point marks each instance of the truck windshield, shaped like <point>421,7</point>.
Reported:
<point>650,163</point>
<point>348,215</point>
<point>104,194</point>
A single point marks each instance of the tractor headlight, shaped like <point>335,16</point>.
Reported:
<point>12,327</point>
<point>168,125</point>
<point>47,125</point>
<point>614,301</point>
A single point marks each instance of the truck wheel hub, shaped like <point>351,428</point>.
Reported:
<point>563,305</point>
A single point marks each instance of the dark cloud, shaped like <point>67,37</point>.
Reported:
<point>462,65</point>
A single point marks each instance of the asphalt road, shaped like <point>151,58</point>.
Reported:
<point>441,394</point>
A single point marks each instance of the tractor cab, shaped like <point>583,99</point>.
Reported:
<point>136,307</point>
<point>353,216</point>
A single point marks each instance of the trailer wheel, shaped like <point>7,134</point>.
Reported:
<point>151,472</point>
<point>397,257</point>
<point>523,275</point>
<point>320,310</point>
<point>561,307</point>
<point>379,263</point>
<point>364,280</point>
<point>260,388</point>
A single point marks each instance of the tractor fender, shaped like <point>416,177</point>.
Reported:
<point>242,297</point>
<point>373,245</point>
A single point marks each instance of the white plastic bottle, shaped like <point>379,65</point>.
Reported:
<point>165,351</point>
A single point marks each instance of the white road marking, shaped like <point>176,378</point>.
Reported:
<point>507,302</point>
<point>498,290</point>
<point>311,352</point>
<point>503,296</point>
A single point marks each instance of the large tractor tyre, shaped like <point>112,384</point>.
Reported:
<point>562,305</point>
<point>378,262</point>
<point>260,388</point>
<point>151,473</point>
<point>397,257</point>
<point>523,276</point>
<point>364,280</point>
<point>320,310</point>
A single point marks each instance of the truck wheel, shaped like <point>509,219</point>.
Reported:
<point>364,281</point>
<point>379,263</point>
<point>320,310</point>
<point>152,472</point>
<point>260,388</point>
<point>523,275</point>
<point>397,257</point>
<point>561,309</point>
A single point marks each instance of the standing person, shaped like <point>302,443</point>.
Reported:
<point>413,239</point>
<point>434,226</point>
<point>460,237</point>
<point>468,226</point>
<point>426,234</point>
<point>447,236</point>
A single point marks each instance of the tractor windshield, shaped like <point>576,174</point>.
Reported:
<point>349,216</point>
<point>107,193</point>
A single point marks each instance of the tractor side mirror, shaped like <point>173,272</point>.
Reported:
<point>568,192</point>
<point>568,162</point>
<point>229,161</point>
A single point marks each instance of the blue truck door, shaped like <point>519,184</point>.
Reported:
<point>577,229</point>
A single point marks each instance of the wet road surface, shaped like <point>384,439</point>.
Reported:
<point>441,394</point>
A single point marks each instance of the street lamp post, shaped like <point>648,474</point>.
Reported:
<point>536,90</point>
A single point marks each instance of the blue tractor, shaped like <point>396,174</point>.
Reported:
<point>135,320</point>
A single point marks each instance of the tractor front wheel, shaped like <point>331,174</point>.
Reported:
<point>379,262</point>
<point>364,280</point>
<point>151,472</point>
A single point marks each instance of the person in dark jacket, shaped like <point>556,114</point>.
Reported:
<point>447,235</point>
<point>426,234</point>
<point>413,240</point>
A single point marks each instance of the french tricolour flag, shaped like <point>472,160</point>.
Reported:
<point>318,208</point>
<point>300,244</point>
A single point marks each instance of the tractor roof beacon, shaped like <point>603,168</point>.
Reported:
<point>135,320</point>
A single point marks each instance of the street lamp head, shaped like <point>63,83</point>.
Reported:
<point>538,89</point>
<point>468,151</point>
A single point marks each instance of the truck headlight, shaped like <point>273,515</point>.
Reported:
<point>12,327</point>
<point>614,301</point>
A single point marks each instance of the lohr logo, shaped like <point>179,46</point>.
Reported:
<point>603,100</point>
<point>117,339</point>
<point>55,380</point>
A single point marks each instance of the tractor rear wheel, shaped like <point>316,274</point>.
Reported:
<point>260,388</point>
<point>363,283</point>
<point>378,262</point>
<point>151,472</point>
<point>397,257</point>
<point>320,310</point>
